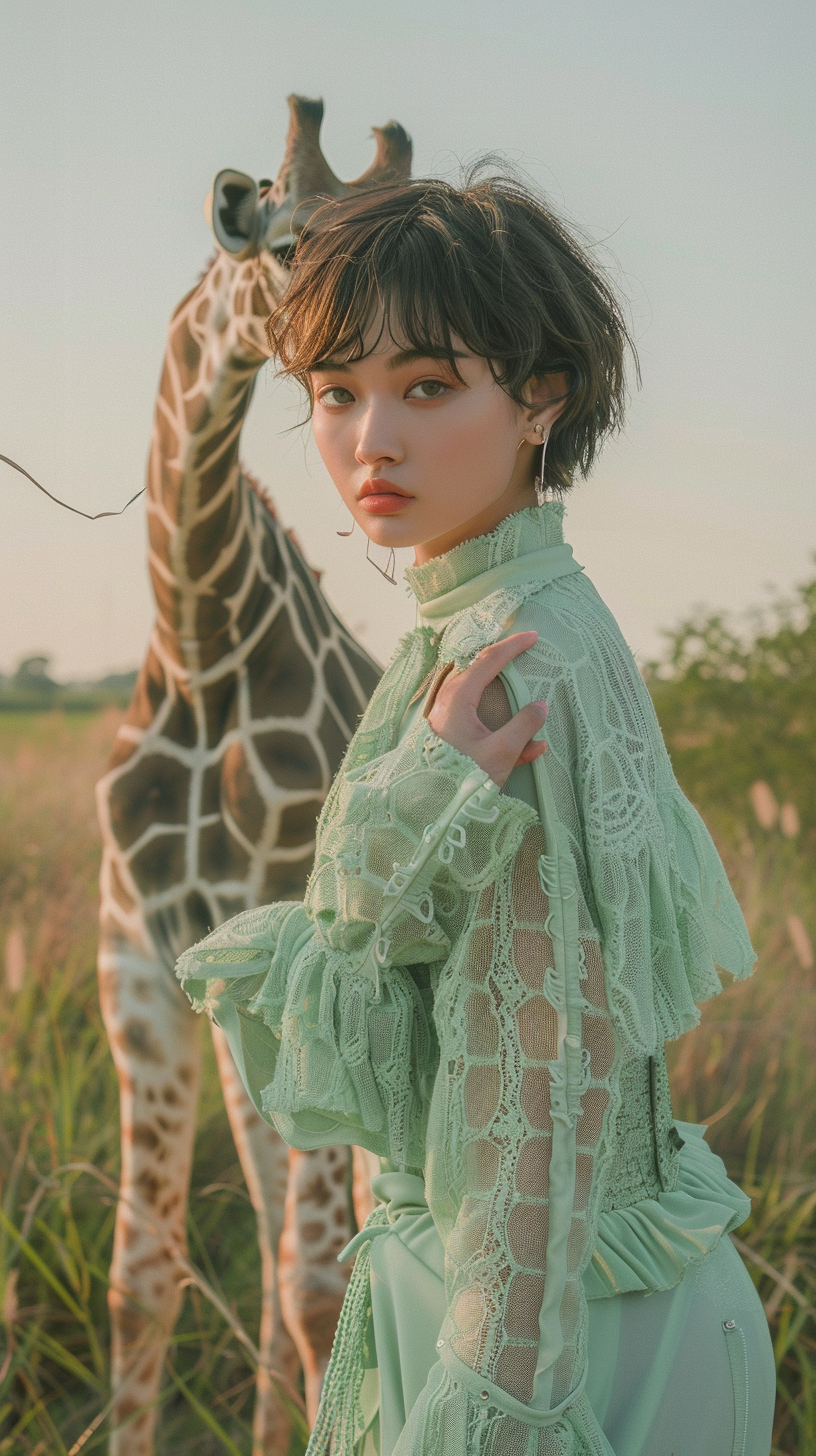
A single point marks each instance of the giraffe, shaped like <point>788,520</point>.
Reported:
<point>247,696</point>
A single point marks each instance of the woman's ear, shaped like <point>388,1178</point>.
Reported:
<point>547,395</point>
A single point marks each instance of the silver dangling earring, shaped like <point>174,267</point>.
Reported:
<point>391,566</point>
<point>390,570</point>
<point>543,492</point>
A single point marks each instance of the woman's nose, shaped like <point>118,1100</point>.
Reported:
<point>377,440</point>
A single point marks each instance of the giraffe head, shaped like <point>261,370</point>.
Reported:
<point>249,217</point>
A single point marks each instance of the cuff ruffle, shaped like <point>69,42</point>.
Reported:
<point>649,1246</point>
<point>456,1414</point>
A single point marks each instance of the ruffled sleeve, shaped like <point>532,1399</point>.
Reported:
<point>326,1005</point>
<point>650,1245</point>
<point>652,880</point>
<point>516,1148</point>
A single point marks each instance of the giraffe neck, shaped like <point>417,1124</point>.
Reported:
<point>203,516</point>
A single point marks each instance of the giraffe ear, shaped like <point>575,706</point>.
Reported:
<point>234,199</point>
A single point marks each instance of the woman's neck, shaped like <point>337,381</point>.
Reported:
<point>516,498</point>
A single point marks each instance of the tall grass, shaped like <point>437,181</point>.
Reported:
<point>59,1148</point>
<point>735,718</point>
<point>738,710</point>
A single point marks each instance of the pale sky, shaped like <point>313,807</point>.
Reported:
<point>679,135</point>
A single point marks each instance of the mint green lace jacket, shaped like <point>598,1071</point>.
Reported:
<point>480,988</point>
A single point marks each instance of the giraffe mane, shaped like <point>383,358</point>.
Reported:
<point>264,497</point>
<point>207,266</point>
<point>260,490</point>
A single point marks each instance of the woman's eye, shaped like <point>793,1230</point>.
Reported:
<point>336,394</point>
<point>427,389</point>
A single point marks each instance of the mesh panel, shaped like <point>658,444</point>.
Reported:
<point>501,1091</point>
<point>515,1369</point>
<point>537,1024</point>
<point>524,1295</point>
<point>533,1167</point>
<point>480,952</point>
<point>534,1098</point>
<point>481,1165</point>
<point>482,1026</point>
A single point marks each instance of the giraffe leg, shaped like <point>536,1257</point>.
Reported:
<point>156,1048</point>
<point>312,1283</point>
<point>265,1163</point>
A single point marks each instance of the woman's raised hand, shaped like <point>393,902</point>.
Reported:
<point>454,715</point>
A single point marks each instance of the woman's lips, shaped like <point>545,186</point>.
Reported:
<point>381,498</point>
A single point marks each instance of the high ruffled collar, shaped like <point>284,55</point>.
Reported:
<point>528,543</point>
<point>517,535</point>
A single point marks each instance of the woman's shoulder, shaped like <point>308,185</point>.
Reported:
<point>576,632</point>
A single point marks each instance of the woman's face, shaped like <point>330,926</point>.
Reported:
<point>420,457</point>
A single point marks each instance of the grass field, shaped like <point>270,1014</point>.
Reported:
<point>741,725</point>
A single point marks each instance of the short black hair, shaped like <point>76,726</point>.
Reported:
<point>488,261</point>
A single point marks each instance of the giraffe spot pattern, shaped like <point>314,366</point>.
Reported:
<point>159,864</point>
<point>254,604</point>
<point>220,856</point>
<point>240,795</point>
<point>150,1186</point>
<point>281,677</point>
<point>311,1231</point>
<point>206,539</point>
<point>229,581</point>
<point>340,690</point>
<point>157,788</point>
<point>297,824</point>
<point>145,1136</point>
<point>199,917</point>
<point>272,557</point>
<point>220,711</point>
<point>332,738</point>
<point>285,880</point>
<point>290,759</point>
<point>137,1038</point>
<point>180,725</point>
<point>317,1191</point>
<point>119,893</point>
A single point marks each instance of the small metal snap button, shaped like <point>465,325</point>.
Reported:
<point>439,1344</point>
<point>729,1324</point>
<point>484,1394</point>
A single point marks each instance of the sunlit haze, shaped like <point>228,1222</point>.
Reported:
<point>679,137</point>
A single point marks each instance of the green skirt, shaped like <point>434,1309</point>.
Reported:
<point>681,1371</point>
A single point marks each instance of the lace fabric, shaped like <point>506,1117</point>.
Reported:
<point>653,885</point>
<point>472,987</point>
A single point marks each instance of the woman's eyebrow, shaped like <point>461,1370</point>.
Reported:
<point>414,356</point>
<point>394,361</point>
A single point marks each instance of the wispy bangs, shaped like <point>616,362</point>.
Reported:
<point>488,263</point>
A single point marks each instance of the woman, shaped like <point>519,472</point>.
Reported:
<point>500,933</point>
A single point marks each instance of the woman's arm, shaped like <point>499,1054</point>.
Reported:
<point>520,1113</point>
<point>322,1003</point>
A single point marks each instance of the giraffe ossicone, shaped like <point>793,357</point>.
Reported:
<point>248,694</point>
<point>247,216</point>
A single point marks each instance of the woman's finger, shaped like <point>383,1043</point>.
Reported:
<point>509,742</point>
<point>472,681</point>
<point>533,750</point>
